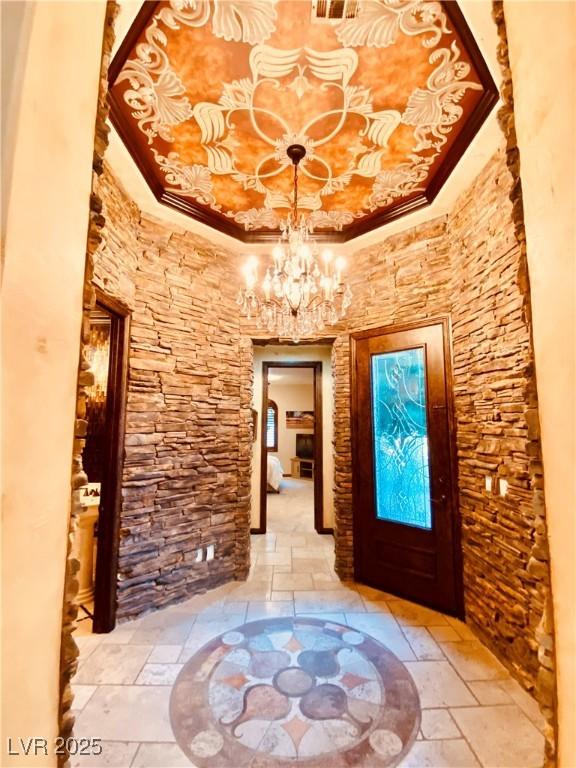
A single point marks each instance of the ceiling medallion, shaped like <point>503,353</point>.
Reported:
<point>302,291</point>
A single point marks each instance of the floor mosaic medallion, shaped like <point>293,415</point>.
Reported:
<point>285,690</point>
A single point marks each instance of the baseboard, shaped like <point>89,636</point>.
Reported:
<point>326,530</point>
<point>257,530</point>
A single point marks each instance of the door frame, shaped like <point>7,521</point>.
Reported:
<point>446,323</point>
<point>316,365</point>
<point>108,544</point>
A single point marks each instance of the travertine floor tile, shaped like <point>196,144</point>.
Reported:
<point>160,756</point>
<point>292,581</point>
<point>438,724</point>
<point>501,736</point>
<point>444,634</point>
<point>490,692</point>
<point>158,674</point>
<point>423,644</point>
<point>115,754</point>
<point>522,699</point>
<point>281,596</point>
<point>132,718</point>
<point>281,556</point>
<point>82,694</point>
<point>118,664</point>
<point>263,609</point>
<point>462,629</point>
<point>311,565</point>
<point>415,615</point>
<point>164,654</point>
<point>454,753</point>
<point>383,627</point>
<point>328,601</point>
<point>127,713</point>
<point>439,685</point>
<point>474,662</point>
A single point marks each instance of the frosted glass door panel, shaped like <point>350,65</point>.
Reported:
<point>400,438</point>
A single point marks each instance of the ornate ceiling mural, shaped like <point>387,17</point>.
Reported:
<point>385,98</point>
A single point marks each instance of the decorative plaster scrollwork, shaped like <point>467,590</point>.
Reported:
<point>192,180</point>
<point>402,180</point>
<point>346,110</point>
<point>379,21</point>
<point>435,110</point>
<point>157,94</point>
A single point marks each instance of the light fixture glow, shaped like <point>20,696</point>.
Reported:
<point>300,293</point>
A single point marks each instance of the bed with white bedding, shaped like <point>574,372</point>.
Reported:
<point>275,474</point>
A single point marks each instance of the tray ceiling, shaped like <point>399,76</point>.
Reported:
<point>208,95</point>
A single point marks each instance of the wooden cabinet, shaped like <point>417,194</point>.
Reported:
<point>302,467</point>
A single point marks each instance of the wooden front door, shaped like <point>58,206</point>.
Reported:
<point>406,536</point>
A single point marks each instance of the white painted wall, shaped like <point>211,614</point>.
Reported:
<point>543,64</point>
<point>45,247</point>
<point>277,353</point>
<point>291,397</point>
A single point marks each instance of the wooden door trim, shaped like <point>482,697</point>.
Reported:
<point>316,365</point>
<point>106,580</point>
<point>445,322</point>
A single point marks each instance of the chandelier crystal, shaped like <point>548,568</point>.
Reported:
<point>303,290</point>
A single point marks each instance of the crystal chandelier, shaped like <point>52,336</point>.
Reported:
<point>302,291</point>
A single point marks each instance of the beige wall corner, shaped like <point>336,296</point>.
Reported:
<point>45,247</point>
<point>543,72</point>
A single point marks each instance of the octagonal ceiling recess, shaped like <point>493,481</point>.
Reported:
<point>385,97</point>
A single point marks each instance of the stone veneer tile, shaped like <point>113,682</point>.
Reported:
<point>501,736</point>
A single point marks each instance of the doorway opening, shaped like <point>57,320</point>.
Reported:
<point>292,488</point>
<point>96,541</point>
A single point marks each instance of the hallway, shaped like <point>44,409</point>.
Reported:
<point>143,691</point>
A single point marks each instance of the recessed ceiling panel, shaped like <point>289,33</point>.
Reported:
<point>385,95</point>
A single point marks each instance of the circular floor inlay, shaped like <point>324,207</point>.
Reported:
<point>288,691</point>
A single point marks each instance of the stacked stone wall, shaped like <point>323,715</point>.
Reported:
<point>497,422</point>
<point>186,480</point>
